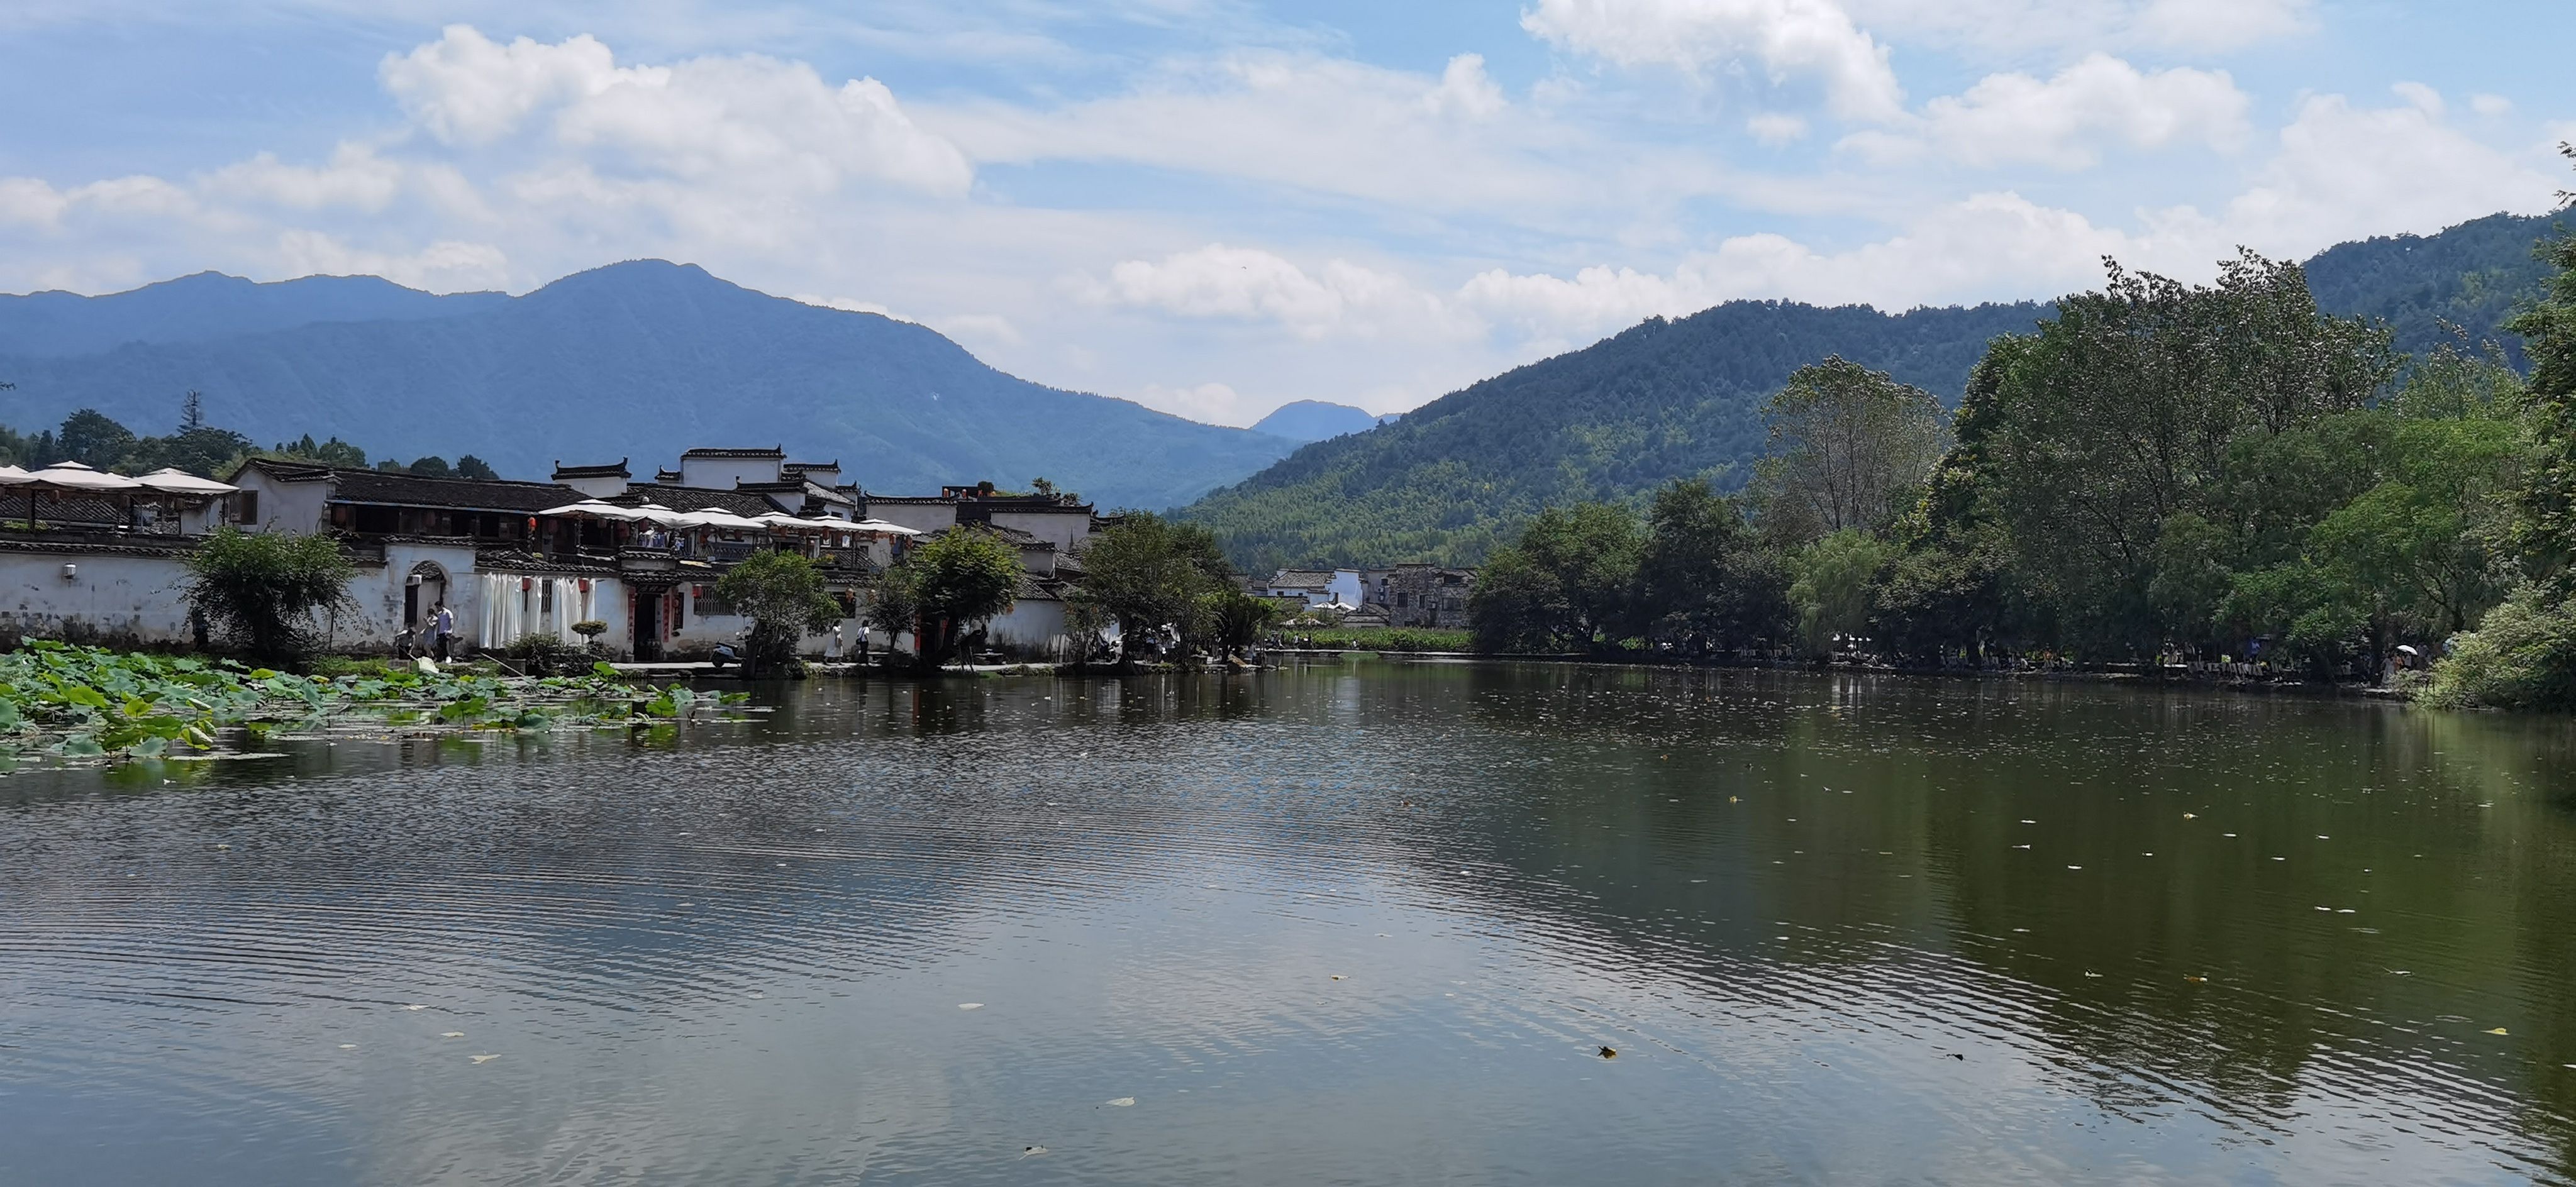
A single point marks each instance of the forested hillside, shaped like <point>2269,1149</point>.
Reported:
<point>1680,399</point>
<point>1664,399</point>
<point>2472,276</point>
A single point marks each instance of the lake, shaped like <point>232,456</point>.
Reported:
<point>1347,923</point>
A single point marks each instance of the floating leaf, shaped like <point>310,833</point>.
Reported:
<point>2497,1031</point>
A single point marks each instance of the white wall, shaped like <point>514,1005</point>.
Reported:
<point>604,487</point>
<point>109,596</point>
<point>722,473</point>
<point>286,506</point>
<point>920,517</point>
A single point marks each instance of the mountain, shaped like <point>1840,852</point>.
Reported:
<point>1683,398</point>
<point>637,360</point>
<point>1661,400</point>
<point>212,305</point>
<point>1314,420</point>
<point>2470,276</point>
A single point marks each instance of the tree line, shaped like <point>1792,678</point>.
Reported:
<point>98,441</point>
<point>2158,470</point>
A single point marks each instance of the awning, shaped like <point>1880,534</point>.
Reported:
<point>883,528</point>
<point>13,476</point>
<point>171,480</point>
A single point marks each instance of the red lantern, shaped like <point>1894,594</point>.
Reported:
<point>526,584</point>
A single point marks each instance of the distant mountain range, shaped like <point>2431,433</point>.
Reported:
<point>1683,398</point>
<point>1314,420</point>
<point>637,360</point>
<point>641,360</point>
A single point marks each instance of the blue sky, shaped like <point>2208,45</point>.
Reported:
<point>1214,207</point>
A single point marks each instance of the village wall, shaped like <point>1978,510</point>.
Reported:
<point>109,598</point>
<point>1063,529</point>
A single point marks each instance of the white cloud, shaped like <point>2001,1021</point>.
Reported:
<point>746,121</point>
<point>1210,403</point>
<point>2425,98</point>
<point>1777,128</point>
<point>355,178</point>
<point>1980,29</point>
<point>1247,284</point>
<point>465,88</point>
<point>31,201</point>
<point>2015,118</point>
<point>1806,40</point>
<point>2490,106</point>
<point>1335,128</point>
<point>2344,172</point>
<point>1466,90</point>
<point>445,266</point>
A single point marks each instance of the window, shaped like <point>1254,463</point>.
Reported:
<point>1402,600</point>
<point>245,508</point>
<point>546,598</point>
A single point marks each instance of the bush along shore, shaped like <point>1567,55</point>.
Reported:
<point>65,703</point>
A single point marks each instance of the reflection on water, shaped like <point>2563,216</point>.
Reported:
<point>1369,923</point>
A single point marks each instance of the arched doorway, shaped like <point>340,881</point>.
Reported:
<point>423,590</point>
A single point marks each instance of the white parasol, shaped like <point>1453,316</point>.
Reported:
<point>171,480</point>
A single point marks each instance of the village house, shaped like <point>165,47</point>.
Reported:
<point>513,559</point>
<point>1423,595</point>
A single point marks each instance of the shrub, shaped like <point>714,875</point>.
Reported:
<point>265,591</point>
<point>783,595</point>
<point>2522,656</point>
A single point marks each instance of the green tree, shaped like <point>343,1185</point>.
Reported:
<point>264,591</point>
<point>1849,449</point>
<point>784,595</point>
<point>1233,619</point>
<point>1706,583</point>
<point>960,578</point>
<point>1568,582</point>
<point>93,439</point>
<point>1146,573</point>
<point>432,466</point>
<point>1834,587</point>
<point>2125,410</point>
<point>470,466</point>
<point>894,605</point>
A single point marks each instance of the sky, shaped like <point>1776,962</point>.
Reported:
<point>1213,207</point>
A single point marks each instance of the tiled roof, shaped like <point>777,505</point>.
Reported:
<point>773,451</point>
<point>615,470</point>
<point>385,488</point>
<point>1301,579</point>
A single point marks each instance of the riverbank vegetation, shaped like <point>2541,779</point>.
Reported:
<point>2158,473</point>
<point>64,702</point>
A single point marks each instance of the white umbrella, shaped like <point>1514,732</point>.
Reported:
<point>718,517</point>
<point>13,476</point>
<point>883,528</point>
<point>596,510</point>
<point>171,480</point>
<point>782,521</point>
<point>77,477</point>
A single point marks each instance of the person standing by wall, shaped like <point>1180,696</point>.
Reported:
<point>444,621</point>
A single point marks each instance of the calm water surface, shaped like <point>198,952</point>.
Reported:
<point>1365,923</point>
